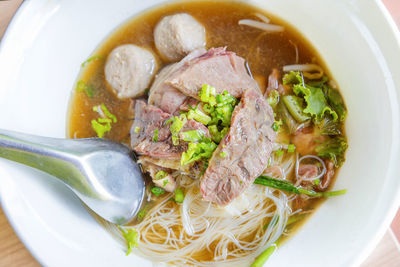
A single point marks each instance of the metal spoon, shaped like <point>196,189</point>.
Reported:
<point>100,172</point>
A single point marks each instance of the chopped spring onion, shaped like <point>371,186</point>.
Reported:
<point>165,182</point>
<point>198,115</point>
<point>179,195</point>
<point>100,129</point>
<point>217,135</point>
<point>222,154</point>
<point>83,86</point>
<point>176,126</point>
<point>137,129</point>
<point>192,136</point>
<point>160,175</point>
<point>207,94</point>
<point>157,191</point>
<point>276,125</point>
<point>291,148</point>
<point>288,187</point>
<point>131,237</point>
<point>279,152</point>
<point>155,136</point>
<point>317,181</point>
<point>92,58</point>
<point>196,151</point>
<point>108,113</point>
<point>263,257</point>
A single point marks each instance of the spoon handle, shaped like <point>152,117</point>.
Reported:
<point>56,157</point>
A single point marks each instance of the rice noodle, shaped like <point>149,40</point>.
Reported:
<point>262,17</point>
<point>296,50</point>
<point>261,25</point>
<point>322,173</point>
<point>172,235</point>
<point>310,71</point>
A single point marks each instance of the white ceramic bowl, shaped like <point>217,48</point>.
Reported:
<point>40,58</point>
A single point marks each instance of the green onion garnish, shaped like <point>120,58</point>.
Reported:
<point>157,191</point>
<point>155,136</point>
<point>160,175</point>
<point>137,129</point>
<point>92,58</point>
<point>291,148</point>
<point>131,237</point>
<point>179,195</point>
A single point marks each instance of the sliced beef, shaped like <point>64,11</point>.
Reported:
<point>177,35</point>
<point>150,119</point>
<point>246,147</point>
<point>165,96</point>
<point>194,169</point>
<point>217,67</point>
<point>129,70</point>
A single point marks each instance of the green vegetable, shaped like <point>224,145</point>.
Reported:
<point>317,181</point>
<point>99,128</point>
<point>293,77</point>
<point>207,95</point>
<point>165,182</point>
<point>137,129</point>
<point>157,191</point>
<point>286,118</point>
<point>295,105</point>
<point>222,154</point>
<point>92,58</point>
<point>217,135</point>
<point>176,126</point>
<point>291,148</point>
<point>196,151</point>
<point>273,98</point>
<point>333,149</point>
<point>194,135</point>
<point>226,99</point>
<point>83,86</point>
<point>328,127</point>
<point>263,257</point>
<point>155,136</point>
<point>336,101</point>
<point>141,214</point>
<point>316,103</point>
<point>197,115</point>
<point>108,113</point>
<point>318,83</point>
<point>289,187</point>
<point>276,125</point>
<point>279,152</point>
<point>179,195</point>
<point>160,175</point>
<point>131,237</point>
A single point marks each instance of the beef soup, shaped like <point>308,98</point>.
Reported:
<point>234,118</point>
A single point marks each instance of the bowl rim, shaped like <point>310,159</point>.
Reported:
<point>384,17</point>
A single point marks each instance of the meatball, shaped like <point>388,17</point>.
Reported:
<point>177,35</point>
<point>129,70</point>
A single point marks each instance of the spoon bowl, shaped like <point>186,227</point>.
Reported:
<point>102,173</point>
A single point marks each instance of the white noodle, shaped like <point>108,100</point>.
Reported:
<point>261,25</point>
<point>310,71</point>
<point>296,50</point>
<point>310,178</point>
<point>262,17</point>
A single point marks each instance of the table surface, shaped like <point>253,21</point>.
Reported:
<point>14,253</point>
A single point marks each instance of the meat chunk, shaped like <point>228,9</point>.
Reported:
<point>129,70</point>
<point>151,135</point>
<point>217,67</point>
<point>167,182</point>
<point>194,169</point>
<point>307,139</point>
<point>246,147</point>
<point>177,35</point>
<point>165,96</point>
